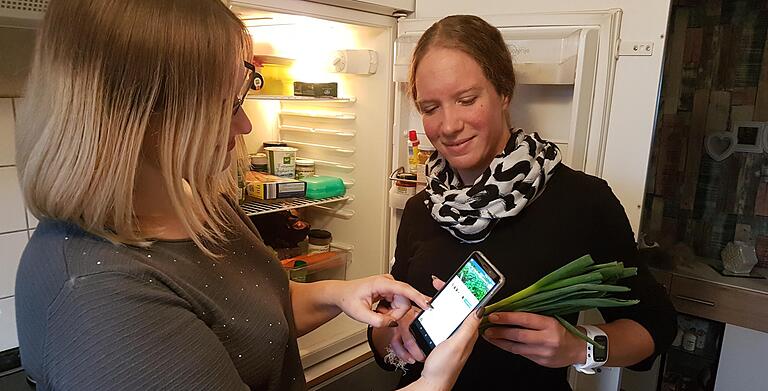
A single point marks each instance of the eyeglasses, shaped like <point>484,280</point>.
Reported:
<point>250,76</point>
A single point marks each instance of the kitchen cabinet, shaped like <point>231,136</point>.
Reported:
<point>739,305</point>
<point>743,363</point>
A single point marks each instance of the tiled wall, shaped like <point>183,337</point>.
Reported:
<point>16,45</point>
<point>715,75</point>
<point>15,224</point>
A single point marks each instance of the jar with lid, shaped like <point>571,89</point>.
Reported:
<point>304,168</point>
<point>406,183</point>
<point>298,272</point>
<point>421,170</point>
<point>259,162</point>
<point>319,241</point>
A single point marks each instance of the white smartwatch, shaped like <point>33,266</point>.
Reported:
<point>596,356</point>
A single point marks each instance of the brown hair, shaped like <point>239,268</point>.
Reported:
<point>478,39</point>
<point>106,74</point>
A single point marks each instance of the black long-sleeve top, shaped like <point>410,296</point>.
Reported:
<point>577,214</point>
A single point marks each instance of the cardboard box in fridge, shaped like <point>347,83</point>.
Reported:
<point>269,187</point>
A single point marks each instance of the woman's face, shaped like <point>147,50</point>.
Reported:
<point>240,125</point>
<point>463,115</point>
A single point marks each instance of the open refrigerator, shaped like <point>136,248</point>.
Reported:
<point>565,63</point>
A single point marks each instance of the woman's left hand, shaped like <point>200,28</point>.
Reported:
<point>541,339</point>
<point>356,297</point>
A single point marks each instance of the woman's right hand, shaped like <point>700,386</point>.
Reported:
<point>400,339</point>
<point>444,364</point>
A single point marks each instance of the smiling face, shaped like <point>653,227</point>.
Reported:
<point>463,114</point>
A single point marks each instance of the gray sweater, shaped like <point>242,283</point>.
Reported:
<point>95,316</point>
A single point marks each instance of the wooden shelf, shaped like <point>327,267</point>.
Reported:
<point>254,207</point>
<point>350,99</point>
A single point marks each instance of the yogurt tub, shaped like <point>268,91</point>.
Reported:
<point>282,161</point>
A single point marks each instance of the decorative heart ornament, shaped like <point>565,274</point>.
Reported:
<point>720,145</point>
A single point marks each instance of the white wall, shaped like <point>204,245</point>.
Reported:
<point>14,225</point>
<point>636,85</point>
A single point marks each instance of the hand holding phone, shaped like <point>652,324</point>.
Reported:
<point>468,289</point>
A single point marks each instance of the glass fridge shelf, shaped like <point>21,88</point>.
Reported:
<point>254,207</point>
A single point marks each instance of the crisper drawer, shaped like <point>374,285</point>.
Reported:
<point>712,301</point>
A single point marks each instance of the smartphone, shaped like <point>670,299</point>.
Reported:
<point>469,288</point>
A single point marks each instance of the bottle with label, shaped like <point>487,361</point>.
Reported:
<point>689,340</point>
<point>299,271</point>
<point>413,152</point>
<point>701,339</point>
<point>240,185</point>
<point>425,151</point>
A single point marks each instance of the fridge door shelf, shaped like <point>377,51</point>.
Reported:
<point>253,207</point>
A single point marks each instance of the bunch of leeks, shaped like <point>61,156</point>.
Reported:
<point>578,286</point>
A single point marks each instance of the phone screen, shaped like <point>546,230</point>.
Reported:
<point>472,285</point>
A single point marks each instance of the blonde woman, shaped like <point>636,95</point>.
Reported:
<point>143,274</point>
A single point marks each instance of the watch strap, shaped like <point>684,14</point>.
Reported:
<point>589,366</point>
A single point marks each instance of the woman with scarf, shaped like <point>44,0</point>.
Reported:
<point>505,192</point>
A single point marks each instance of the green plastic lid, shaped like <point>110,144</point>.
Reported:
<point>299,263</point>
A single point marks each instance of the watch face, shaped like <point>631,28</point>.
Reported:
<point>600,355</point>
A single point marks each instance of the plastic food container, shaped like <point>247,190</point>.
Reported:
<point>324,187</point>
<point>282,161</point>
<point>331,265</point>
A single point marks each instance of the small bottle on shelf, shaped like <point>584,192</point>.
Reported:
<point>689,340</point>
<point>240,186</point>
<point>413,152</point>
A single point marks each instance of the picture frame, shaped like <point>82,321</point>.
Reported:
<point>720,145</point>
<point>749,136</point>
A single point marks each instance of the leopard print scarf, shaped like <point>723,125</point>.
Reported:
<point>514,179</point>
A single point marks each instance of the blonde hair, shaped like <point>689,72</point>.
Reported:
<point>108,73</point>
<point>476,38</point>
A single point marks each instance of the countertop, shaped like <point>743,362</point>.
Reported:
<point>699,268</point>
